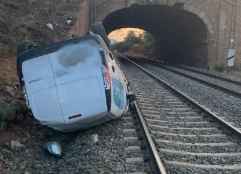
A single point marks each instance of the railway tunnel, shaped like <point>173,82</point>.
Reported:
<point>181,36</point>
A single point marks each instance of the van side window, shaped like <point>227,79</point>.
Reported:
<point>102,53</point>
<point>111,56</point>
<point>113,68</point>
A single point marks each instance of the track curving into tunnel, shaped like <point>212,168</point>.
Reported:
<point>181,36</point>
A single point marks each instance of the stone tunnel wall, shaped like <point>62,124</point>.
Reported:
<point>81,26</point>
<point>222,19</point>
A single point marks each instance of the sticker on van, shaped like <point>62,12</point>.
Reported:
<point>118,93</point>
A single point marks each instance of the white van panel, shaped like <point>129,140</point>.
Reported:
<point>79,81</point>
<point>75,62</point>
<point>69,83</point>
<point>85,97</point>
<point>119,99</point>
<point>66,83</point>
<point>46,106</point>
<point>119,103</point>
<point>37,74</point>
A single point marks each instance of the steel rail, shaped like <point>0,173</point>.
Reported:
<point>211,75</point>
<point>155,63</point>
<point>232,92</point>
<point>232,128</point>
<point>160,167</point>
<point>192,70</point>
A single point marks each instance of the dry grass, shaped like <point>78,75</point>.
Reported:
<point>8,73</point>
<point>8,77</point>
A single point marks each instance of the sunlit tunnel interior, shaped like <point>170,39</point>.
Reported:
<point>133,41</point>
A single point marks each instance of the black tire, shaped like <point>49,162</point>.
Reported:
<point>25,46</point>
<point>28,45</point>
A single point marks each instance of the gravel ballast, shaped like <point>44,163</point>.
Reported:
<point>168,117</point>
<point>99,150</point>
<point>233,75</point>
<point>226,106</point>
<point>211,80</point>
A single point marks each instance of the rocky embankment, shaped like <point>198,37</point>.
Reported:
<point>34,20</point>
<point>26,20</point>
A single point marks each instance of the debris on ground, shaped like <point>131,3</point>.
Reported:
<point>95,138</point>
<point>69,21</point>
<point>16,145</point>
<point>50,26</point>
<point>54,148</point>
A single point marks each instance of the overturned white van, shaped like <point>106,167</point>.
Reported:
<point>74,84</point>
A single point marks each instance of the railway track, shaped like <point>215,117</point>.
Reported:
<point>141,154</point>
<point>189,137</point>
<point>226,106</point>
<point>224,84</point>
<point>210,74</point>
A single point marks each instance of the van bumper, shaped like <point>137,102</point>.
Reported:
<point>81,124</point>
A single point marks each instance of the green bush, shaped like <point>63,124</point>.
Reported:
<point>132,40</point>
<point>137,2</point>
<point>149,41</point>
<point>7,112</point>
<point>219,68</point>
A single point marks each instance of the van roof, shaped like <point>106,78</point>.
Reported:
<point>40,51</point>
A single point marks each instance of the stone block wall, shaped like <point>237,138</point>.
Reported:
<point>222,19</point>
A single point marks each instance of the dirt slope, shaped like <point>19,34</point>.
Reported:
<point>27,20</point>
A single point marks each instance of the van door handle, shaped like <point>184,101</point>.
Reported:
<point>113,68</point>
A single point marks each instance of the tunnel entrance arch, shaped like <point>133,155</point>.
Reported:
<point>182,36</point>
